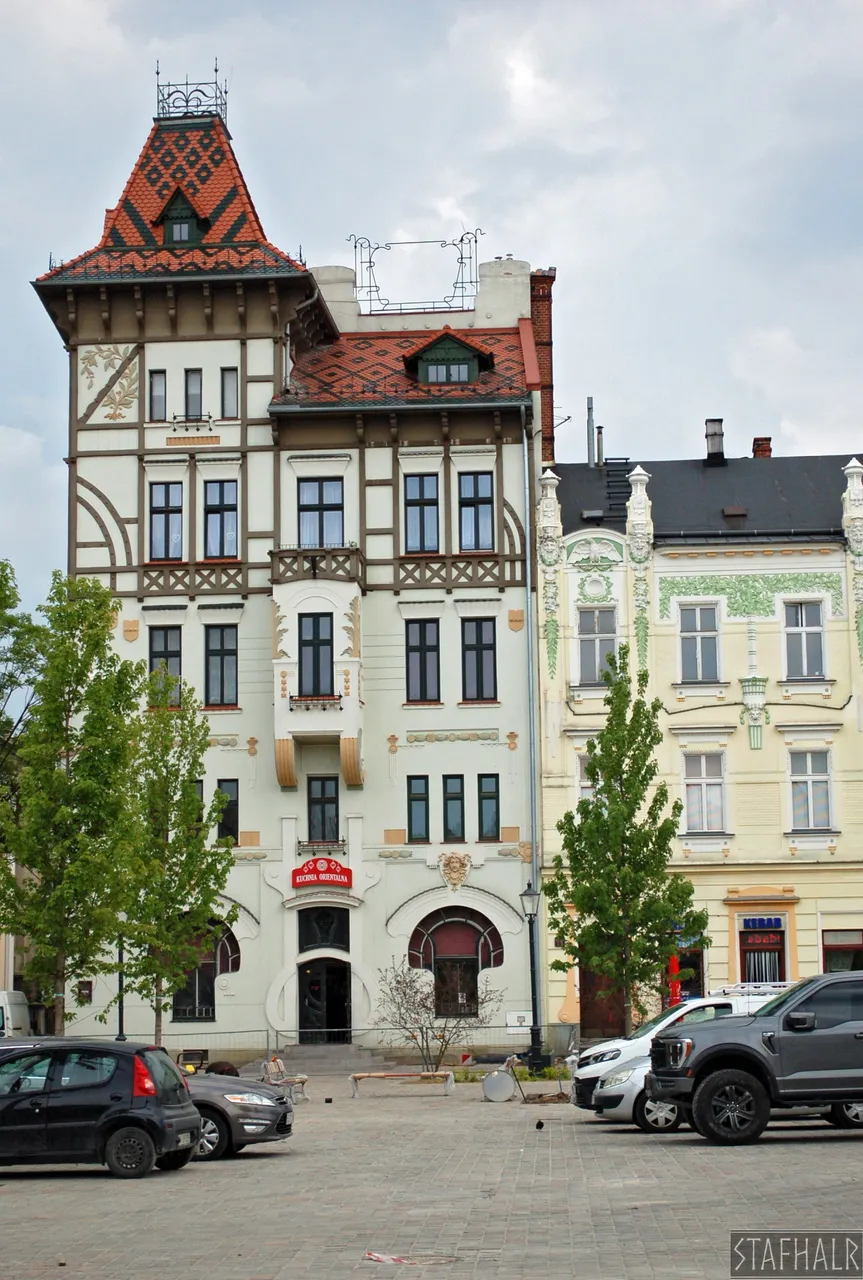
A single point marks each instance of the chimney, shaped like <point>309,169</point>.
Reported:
<point>762,447</point>
<point>591,434</point>
<point>600,448</point>
<point>715,442</point>
<point>541,284</point>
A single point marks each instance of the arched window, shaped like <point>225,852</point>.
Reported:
<point>455,943</point>
<point>324,927</point>
<point>219,953</point>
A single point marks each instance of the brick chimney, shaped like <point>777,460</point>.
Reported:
<point>762,447</point>
<point>541,284</point>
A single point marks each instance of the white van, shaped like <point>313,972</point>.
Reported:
<point>14,1014</point>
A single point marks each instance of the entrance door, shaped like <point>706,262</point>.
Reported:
<point>325,1002</point>
<point>601,1010</point>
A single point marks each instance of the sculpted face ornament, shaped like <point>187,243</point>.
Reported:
<point>454,868</point>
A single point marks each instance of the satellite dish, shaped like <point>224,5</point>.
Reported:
<point>498,1086</point>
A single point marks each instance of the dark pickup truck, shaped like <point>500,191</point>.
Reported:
<point>803,1048</point>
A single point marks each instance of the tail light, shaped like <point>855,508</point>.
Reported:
<point>143,1084</point>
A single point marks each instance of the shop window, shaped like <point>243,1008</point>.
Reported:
<point>843,950</point>
<point>762,955</point>
<point>219,952</point>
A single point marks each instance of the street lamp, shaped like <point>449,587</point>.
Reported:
<point>121,982</point>
<point>530,907</point>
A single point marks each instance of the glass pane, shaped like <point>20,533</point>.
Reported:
<point>175,549</point>
<point>175,495</point>
<point>488,689</point>
<point>413,690</point>
<point>333,492</point>
<point>707,619</point>
<point>229,692</point>
<point>812,614</point>
<point>483,485</point>
<point>214,682</point>
<point>465,486</point>
<point>418,826</point>
<point>486,539</point>
<point>230,491</point>
<point>214,531</point>
<point>333,534</point>
<point>412,529</point>
<point>688,620</point>
<point>800,805</point>
<point>709,665</point>
<point>470,636</point>
<point>157,495</point>
<point>230,533</point>
<point>309,491</point>
<point>689,657</point>
<point>229,393</point>
<point>430,528</point>
<point>470,676</point>
<point>586,622</point>
<point>606,621</point>
<point>794,652</point>
<point>488,829</point>
<point>713,766</point>
<point>843,937</point>
<point>432,693</point>
<point>325,669</point>
<point>820,804</point>
<point>693,766</point>
<point>157,538</point>
<point>814,659</point>
<point>307,669</point>
<point>714,807</point>
<point>694,811</point>
<point>606,649</point>
<point>309,527</point>
<point>454,822</point>
<point>429,486</point>
<point>325,626</point>
<point>587,659</point>
<point>307,627</point>
<point>799,762</point>
<point>818,761</point>
<point>331,822</point>
<point>468,537</point>
<point>792,615</point>
<point>412,486</point>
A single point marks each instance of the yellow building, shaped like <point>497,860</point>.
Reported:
<point>738,584</point>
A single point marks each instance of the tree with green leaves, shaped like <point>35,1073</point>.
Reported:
<point>69,841</point>
<point>19,662</point>
<point>181,869</point>
<point>611,898</point>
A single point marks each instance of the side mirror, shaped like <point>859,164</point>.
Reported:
<point>800,1022</point>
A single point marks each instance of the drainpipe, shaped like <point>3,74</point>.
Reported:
<point>532,924</point>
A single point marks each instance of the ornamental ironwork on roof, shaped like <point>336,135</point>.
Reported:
<point>200,98</point>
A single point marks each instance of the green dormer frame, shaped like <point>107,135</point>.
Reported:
<point>182,225</point>
<point>447,360</point>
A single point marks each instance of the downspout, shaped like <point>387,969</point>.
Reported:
<point>531,659</point>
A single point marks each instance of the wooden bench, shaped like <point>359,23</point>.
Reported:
<point>275,1073</point>
<point>446,1076</point>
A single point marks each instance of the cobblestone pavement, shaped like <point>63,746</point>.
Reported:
<point>467,1189</point>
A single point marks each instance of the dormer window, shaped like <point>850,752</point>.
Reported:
<point>448,373</point>
<point>182,226</point>
<point>447,357</point>
<point>179,231</point>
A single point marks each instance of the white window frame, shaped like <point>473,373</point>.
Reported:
<point>596,608</point>
<point>703,782</point>
<point>804,630</point>
<point>805,749</point>
<point>586,791</point>
<point>698,604</point>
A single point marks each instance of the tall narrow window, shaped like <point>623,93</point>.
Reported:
<point>166,651</point>
<point>220,519</point>
<point>230,393</point>
<point>810,790</point>
<point>421,514</point>
<point>804,641</point>
<point>585,786</point>
<point>220,644</point>
<point>453,808</point>
<point>698,643</point>
<point>488,799</point>
<point>596,636</point>
<point>229,823</point>
<point>316,655</point>
<point>321,506</point>
<point>418,810</point>
<point>194,394</point>
<point>476,510</point>
<point>422,654</point>
<point>158,396</point>
<point>479,660</point>
<point>323,810</point>
<point>166,521</point>
<point>704,798</point>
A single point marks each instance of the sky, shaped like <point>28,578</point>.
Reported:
<point>692,168</point>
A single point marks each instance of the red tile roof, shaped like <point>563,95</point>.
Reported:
<point>192,155</point>
<point>428,340</point>
<point>368,368</point>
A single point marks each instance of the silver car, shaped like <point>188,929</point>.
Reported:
<point>236,1112</point>
<point>619,1095</point>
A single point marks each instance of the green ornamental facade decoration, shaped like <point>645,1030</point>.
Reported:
<point>751,594</point>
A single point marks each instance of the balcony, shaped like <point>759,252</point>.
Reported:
<point>479,569</point>
<point>324,848</point>
<point>332,564</point>
<point>315,702</point>
<point>175,578</point>
<point>335,717</point>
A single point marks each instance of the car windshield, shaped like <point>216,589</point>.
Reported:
<point>779,1002</point>
<point>651,1024</point>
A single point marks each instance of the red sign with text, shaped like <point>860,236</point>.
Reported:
<point>322,871</point>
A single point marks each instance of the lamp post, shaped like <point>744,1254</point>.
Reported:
<point>530,908</point>
<point>121,983</point>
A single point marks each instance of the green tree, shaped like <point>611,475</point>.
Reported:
<point>19,662</point>
<point>69,841</point>
<point>611,897</point>
<point>181,872</point>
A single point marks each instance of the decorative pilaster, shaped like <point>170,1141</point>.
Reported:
<point>754,689</point>
<point>550,533</point>
<point>852,523</point>
<point>639,532</point>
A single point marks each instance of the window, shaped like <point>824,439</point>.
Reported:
<point>324,927</point>
<point>229,823</point>
<point>596,635</point>
<point>422,653</point>
<point>453,808</point>
<point>585,786</point>
<point>158,396</point>
<point>24,1075</point>
<point>323,810</point>
<point>762,955</point>
<point>479,660</point>
<point>321,507</point>
<point>418,810</point>
<point>86,1068</point>
<point>834,1004</point>
<point>220,651</point>
<point>488,786</point>
<point>220,519</point>
<point>455,944</point>
<point>705,1013</point>
<point>476,511</point>
<point>166,651</point>
<point>456,372</point>
<point>704,807</point>
<point>219,953</point>
<point>194,394</point>
<point>166,521</point>
<point>843,950</point>
<point>804,643</point>
<point>810,790</point>
<point>698,643</point>
<point>179,231</point>
<point>421,514</point>
<point>230,393</point>
<point>316,655</point>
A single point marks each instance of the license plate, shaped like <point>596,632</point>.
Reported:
<point>184,1139</point>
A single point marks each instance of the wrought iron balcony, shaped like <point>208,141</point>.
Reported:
<point>333,564</point>
<point>315,702</point>
<point>311,848</point>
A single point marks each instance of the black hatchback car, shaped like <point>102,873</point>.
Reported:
<point>65,1101</point>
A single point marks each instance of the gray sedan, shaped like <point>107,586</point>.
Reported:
<point>236,1112</point>
<point>620,1095</point>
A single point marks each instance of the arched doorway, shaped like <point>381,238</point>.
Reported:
<point>324,999</point>
<point>455,944</point>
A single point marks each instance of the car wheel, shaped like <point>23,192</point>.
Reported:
<point>130,1153</point>
<point>846,1115</point>
<point>175,1159</point>
<point>215,1137</point>
<point>731,1107</point>
<point>656,1117</point>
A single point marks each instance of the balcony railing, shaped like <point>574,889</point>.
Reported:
<point>461,571</point>
<point>311,848</point>
<point>333,564</point>
<point>316,702</point>
<point>186,579</point>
